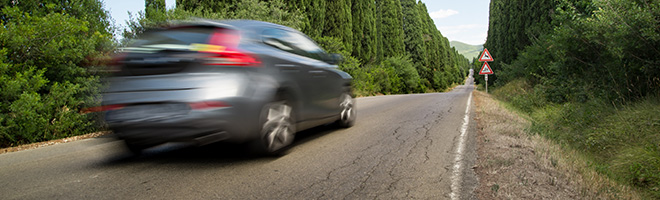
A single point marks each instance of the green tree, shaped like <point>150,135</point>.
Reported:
<point>153,7</point>
<point>514,25</point>
<point>436,49</point>
<point>314,11</point>
<point>208,5</point>
<point>390,26</point>
<point>412,28</point>
<point>338,21</point>
<point>364,30</point>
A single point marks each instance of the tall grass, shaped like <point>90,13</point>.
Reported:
<point>620,141</point>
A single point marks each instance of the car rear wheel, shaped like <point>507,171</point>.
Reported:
<point>278,128</point>
<point>348,112</point>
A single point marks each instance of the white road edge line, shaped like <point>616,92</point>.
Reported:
<point>456,178</point>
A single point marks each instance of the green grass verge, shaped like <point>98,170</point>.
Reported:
<point>620,141</point>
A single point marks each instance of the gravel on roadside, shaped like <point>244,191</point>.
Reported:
<point>52,142</point>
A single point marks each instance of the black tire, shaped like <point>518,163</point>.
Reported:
<point>277,128</point>
<point>348,113</point>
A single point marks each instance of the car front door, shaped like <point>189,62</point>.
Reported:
<point>301,63</point>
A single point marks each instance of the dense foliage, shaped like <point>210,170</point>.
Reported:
<point>153,7</point>
<point>588,72</point>
<point>364,30</point>
<point>587,50</point>
<point>48,50</point>
<point>338,21</point>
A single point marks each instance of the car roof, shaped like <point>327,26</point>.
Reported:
<point>240,24</point>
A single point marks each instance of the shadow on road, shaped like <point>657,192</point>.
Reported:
<point>220,153</point>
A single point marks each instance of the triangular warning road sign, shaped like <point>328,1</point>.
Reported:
<point>485,69</point>
<point>485,56</point>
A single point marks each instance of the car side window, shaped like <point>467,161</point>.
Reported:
<point>292,42</point>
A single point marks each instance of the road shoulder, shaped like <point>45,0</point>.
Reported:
<point>513,164</point>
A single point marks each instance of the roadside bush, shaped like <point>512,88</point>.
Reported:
<point>439,81</point>
<point>521,94</point>
<point>45,75</point>
<point>403,74</point>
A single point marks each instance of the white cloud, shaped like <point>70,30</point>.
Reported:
<point>467,33</point>
<point>442,13</point>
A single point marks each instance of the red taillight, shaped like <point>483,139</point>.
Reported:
<point>102,108</point>
<point>207,105</point>
<point>232,57</point>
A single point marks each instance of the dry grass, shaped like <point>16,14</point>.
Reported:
<point>514,164</point>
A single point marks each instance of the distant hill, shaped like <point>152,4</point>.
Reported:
<point>469,51</point>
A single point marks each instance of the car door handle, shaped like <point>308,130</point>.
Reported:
<point>288,68</point>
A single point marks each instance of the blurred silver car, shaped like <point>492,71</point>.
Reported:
<point>239,81</point>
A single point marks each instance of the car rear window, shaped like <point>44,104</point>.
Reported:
<point>182,37</point>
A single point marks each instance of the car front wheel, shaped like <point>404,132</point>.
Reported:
<point>348,112</point>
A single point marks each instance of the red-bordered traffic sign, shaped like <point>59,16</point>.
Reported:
<point>485,56</point>
<point>485,69</point>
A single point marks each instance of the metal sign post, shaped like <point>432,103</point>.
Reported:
<point>486,83</point>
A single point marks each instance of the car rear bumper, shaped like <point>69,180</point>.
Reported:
<point>237,123</point>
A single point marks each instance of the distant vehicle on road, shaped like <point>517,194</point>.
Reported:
<point>241,81</point>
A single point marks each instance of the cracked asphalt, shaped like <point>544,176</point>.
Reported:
<point>402,147</point>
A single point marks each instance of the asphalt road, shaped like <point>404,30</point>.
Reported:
<point>402,147</point>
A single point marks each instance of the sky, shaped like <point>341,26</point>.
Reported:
<point>459,20</point>
<point>119,9</point>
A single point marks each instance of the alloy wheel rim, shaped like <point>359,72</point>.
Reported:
<point>346,108</point>
<point>278,126</point>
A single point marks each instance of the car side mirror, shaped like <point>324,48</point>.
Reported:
<point>334,59</point>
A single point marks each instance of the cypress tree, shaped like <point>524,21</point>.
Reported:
<point>379,26</point>
<point>338,21</point>
<point>213,5</point>
<point>391,28</point>
<point>152,7</point>
<point>364,30</point>
<point>513,25</point>
<point>315,10</point>
<point>412,28</point>
<point>433,43</point>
